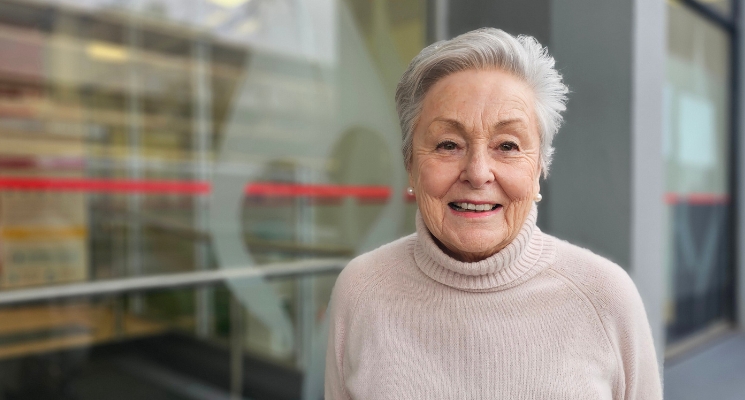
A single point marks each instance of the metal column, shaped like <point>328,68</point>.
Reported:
<point>202,144</point>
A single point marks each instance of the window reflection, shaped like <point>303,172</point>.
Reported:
<point>150,137</point>
<point>696,149</point>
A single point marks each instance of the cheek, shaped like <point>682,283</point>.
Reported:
<point>436,178</point>
<point>518,183</point>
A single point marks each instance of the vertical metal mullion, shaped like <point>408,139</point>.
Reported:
<point>305,231</point>
<point>134,165</point>
<point>236,348</point>
<point>734,142</point>
<point>733,164</point>
<point>738,166</point>
<point>201,72</point>
<point>305,320</point>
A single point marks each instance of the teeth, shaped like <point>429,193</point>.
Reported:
<point>475,207</point>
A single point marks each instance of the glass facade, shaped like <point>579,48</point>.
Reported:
<point>697,154</point>
<point>149,137</point>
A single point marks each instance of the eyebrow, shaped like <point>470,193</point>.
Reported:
<point>507,122</point>
<point>451,122</point>
<point>458,126</point>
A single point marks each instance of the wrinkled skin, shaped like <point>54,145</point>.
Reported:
<point>476,140</point>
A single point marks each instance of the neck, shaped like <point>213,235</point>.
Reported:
<point>468,257</point>
<point>511,263</point>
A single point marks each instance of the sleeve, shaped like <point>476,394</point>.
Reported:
<point>630,334</point>
<point>339,305</point>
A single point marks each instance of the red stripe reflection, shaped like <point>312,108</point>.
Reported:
<point>105,185</point>
<point>258,189</point>
<point>268,189</point>
<point>701,199</point>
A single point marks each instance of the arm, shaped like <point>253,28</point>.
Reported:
<point>620,309</point>
<point>634,343</point>
<point>346,293</point>
<point>334,380</point>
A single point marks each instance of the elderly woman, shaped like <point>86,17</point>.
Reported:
<point>479,303</point>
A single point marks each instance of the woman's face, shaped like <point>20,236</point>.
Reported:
<point>475,163</point>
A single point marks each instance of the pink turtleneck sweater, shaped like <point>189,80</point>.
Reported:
<point>541,319</point>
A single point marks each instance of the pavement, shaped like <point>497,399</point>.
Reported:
<point>716,372</point>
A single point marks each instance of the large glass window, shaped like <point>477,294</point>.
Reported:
<point>149,137</point>
<point>697,153</point>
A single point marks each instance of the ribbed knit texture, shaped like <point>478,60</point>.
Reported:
<point>541,319</point>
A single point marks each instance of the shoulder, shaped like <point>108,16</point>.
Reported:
<point>609,290</point>
<point>606,285</point>
<point>369,269</point>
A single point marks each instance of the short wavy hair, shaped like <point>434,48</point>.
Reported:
<point>485,48</point>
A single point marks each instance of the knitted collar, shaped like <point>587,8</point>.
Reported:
<point>529,253</point>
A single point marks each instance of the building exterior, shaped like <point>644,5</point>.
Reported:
<point>180,181</point>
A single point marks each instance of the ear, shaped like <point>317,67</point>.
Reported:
<point>537,182</point>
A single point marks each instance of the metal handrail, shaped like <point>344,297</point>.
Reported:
<point>169,281</point>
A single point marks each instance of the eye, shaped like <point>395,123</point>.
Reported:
<point>508,146</point>
<point>447,145</point>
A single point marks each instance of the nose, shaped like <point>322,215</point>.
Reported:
<point>478,170</point>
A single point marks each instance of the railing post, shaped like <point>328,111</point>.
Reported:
<point>236,348</point>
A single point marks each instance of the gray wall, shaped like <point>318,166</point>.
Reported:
<point>589,200</point>
<point>513,16</point>
<point>607,182</point>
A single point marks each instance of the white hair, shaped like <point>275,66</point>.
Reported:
<point>485,48</point>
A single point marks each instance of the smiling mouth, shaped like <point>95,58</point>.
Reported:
<point>470,207</point>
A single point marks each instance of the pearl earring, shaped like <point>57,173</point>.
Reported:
<point>538,198</point>
<point>410,191</point>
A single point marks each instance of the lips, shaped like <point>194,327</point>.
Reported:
<point>472,207</point>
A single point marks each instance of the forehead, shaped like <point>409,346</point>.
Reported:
<point>469,95</point>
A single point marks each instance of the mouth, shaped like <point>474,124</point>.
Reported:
<point>474,208</point>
